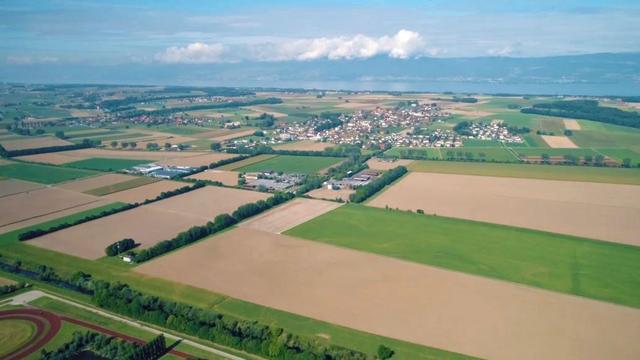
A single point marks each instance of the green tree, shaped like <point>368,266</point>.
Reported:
<point>114,144</point>
<point>384,352</point>
<point>215,146</point>
<point>626,162</point>
<point>60,134</point>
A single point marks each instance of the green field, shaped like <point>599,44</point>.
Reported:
<point>125,185</point>
<point>180,130</point>
<point>64,335</point>
<point>44,174</point>
<point>534,151</point>
<point>12,249</point>
<point>548,172</point>
<point>106,164</point>
<point>594,269</point>
<point>14,334</point>
<point>292,164</point>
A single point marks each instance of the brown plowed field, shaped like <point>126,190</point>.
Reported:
<point>39,202</point>
<point>229,178</point>
<point>198,160</point>
<point>148,224</point>
<point>425,305</point>
<point>33,143</point>
<point>377,164</point>
<point>559,142</point>
<point>13,186</point>
<point>304,145</point>
<point>326,194</point>
<point>232,135</point>
<point>95,182</point>
<point>144,192</point>
<point>289,215</point>
<point>571,124</point>
<point>601,211</point>
<point>76,155</point>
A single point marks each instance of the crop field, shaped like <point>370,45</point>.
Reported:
<point>12,186</point>
<point>229,178</point>
<point>548,172</point>
<point>291,214</point>
<point>304,145</point>
<point>558,141</point>
<point>600,135</point>
<point>292,164</point>
<point>246,162</point>
<point>571,124</point>
<point>198,160</point>
<point>43,174</point>
<point>106,164</point>
<point>600,211</point>
<point>138,194</point>
<point>413,302</point>
<point>594,269</point>
<point>380,164</point>
<point>147,224</point>
<point>121,186</point>
<point>27,205</point>
<point>64,157</point>
<point>33,143</point>
<point>232,135</point>
<point>326,194</point>
<point>94,182</point>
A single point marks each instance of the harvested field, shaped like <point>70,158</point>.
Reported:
<point>144,192</point>
<point>106,164</point>
<point>33,143</point>
<point>558,141</point>
<point>95,182</point>
<point>326,194</point>
<point>229,178</point>
<point>417,303</point>
<point>359,106</point>
<point>209,201</point>
<point>83,154</point>
<point>148,224</point>
<point>198,160</point>
<point>262,110</point>
<point>470,113</point>
<point>571,124</point>
<point>289,215</point>
<point>31,204</point>
<point>12,186</point>
<point>378,164</point>
<point>145,225</point>
<point>599,211</point>
<point>304,145</point>
<point>233,135</point>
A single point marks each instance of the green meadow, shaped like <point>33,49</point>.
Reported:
<point>43,174</point>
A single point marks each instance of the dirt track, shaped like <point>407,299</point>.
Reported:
<point>413,302</point>
<point>601,211</point>
<point>289,215</point>
<point>47,326</point>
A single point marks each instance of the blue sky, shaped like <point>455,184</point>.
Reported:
<point>120,32</point>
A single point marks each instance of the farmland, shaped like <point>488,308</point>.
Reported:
<point>250,265</point>
<point>41,173</point>
<point>105,164</point>
<point>594,269</point>
<point>291,164</point>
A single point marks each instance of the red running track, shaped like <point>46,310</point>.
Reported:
<point>47,326</point>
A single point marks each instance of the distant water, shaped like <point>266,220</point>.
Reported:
<point>631,89</point>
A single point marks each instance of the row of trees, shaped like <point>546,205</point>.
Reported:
<point>335,151</point>
<point>86,143</point>
<point>586,109</point>
<point>119,247</point>
<point>79,282</point>
<point>34,233</point>
<point>106,347</point>
<point>364,192</point>
<point>220,222</point>
<point>9,288</point>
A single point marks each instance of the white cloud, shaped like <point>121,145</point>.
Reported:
<point>404,44</point>
<point>195,53</point>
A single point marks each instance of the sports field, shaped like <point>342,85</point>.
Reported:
<point>549,172</point>
<point>43,174</point>
<point>292,164</point>
<point>409,301</point>
<point>562,263</point>
<point>15,334</point>
<point>106,164</point>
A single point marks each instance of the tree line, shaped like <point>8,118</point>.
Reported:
<point>86,143</point>
<point>364,192</point>
<point>250,336</point>
<point>119,247</point>
<point>588,110</point>
<point>34,233</point>
<point>108,347</point>
<point>10,288</point>
<point>220,222</point>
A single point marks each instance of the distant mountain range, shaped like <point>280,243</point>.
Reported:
<point>593,74</point>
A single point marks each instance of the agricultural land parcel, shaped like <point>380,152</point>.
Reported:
<point>12,186</point>
<point>418,303</point>
<point>292,164</point>
<point>95,182</point>
<point>148,191</point>
<point>147,224</point>
<point>286,216</point>
<point>229,178</point>
<point>600,211</point>
<point>106,164</point>
<point>32,143</point>
<point>43,174</point>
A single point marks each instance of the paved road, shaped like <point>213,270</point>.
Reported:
<point>26,297</point>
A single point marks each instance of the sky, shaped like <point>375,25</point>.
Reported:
<point>200,32</point>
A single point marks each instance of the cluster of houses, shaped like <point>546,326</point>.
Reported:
<point>362,178</point>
